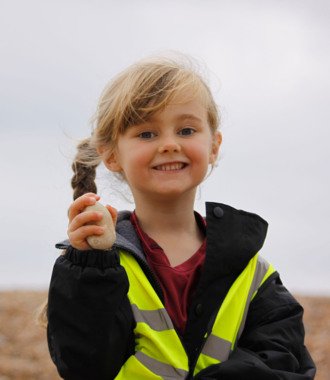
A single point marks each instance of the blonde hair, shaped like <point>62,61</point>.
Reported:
<point>131,98</point>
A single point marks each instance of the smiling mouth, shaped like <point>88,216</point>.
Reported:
<point>170,167</point>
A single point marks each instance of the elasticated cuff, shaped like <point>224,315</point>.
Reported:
<point>93,258</point>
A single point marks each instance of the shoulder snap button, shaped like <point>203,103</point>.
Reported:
<point>218,212</point>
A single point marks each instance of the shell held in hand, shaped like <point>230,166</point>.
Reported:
<point>106,240</point>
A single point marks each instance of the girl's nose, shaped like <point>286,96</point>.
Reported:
<point>169,146</point>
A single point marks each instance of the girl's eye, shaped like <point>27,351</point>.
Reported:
<point>186,131</point>
<point>147,135</point>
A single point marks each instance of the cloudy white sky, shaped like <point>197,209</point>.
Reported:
<point>268,63</point>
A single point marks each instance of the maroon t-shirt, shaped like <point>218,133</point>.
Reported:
<point>178,283</point>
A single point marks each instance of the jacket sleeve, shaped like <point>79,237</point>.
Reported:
<point>272,344</point>
<point>90,324</point>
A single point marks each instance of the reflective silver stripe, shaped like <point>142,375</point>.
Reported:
<point>217,348</point>
<point>261,269</point>
<point>158,320</point>
<point>165,371</point>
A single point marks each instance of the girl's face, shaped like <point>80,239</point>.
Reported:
<point>169,155</point>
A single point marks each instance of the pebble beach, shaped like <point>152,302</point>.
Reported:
<point>23,346</point>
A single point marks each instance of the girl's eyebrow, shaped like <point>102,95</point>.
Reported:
<point>188,116</point>
<point>181,117</point>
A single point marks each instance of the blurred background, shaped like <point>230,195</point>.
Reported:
<point>267,63</point>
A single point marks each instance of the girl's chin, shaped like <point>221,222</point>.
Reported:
<point>172,192</point>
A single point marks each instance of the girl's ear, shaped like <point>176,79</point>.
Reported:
<point>110,160</point>
<point>216,142</point>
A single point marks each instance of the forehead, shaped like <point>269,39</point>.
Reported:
<point>182,109</point>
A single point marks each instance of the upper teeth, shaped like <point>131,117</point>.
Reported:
<point>175,166</point>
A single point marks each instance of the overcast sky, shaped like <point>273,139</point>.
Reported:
<point>268,63</point>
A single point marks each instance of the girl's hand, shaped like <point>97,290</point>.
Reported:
<point>83,224</point>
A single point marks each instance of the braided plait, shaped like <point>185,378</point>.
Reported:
<point>83,180</point>
<point>84,168</point>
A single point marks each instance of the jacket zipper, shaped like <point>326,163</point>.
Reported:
<point>206,335</point>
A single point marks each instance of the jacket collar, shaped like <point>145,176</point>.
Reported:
<point>233,238</point>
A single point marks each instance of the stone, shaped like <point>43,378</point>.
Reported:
<point>106,240</point>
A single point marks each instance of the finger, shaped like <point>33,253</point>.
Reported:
<point>78,237</point>
<point>81,203</point>
<point>86,217</point>
<point>113,213</point>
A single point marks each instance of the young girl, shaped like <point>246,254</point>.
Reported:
<point>177,296</point>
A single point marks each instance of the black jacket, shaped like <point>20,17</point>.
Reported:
<point>90,330</point>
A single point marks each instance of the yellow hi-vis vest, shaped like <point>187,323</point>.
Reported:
<point>159,353</point>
